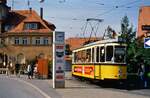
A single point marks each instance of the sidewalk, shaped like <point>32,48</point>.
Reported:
<point>75,89</point>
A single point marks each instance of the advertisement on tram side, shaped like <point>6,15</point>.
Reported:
<point>89,71</point>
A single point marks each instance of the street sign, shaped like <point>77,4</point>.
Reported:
<point>145,27</point>
<point>147,43</point>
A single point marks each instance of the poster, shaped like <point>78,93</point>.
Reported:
<point>58,59</point>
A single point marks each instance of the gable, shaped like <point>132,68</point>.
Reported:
<point>19,19</point>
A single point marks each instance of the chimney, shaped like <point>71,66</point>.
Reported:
<point>41,12</point>
<point>30,10</point>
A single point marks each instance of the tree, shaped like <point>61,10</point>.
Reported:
<point>128,34</point>
<point>136,53</point>
<point>127,31</point>
<point>110,33</point>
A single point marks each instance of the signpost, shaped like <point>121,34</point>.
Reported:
<point>147,43</point>
<point>58,59</point>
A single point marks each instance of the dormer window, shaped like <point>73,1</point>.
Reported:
<point>31,26</point>
<point>8,27</point>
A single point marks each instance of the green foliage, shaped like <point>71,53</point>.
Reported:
<point>127,31</point>
<point>136,53</point>
<point>128,35</point>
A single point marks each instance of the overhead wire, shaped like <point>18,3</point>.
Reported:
<point>118,6</point>
<point>112,9</point>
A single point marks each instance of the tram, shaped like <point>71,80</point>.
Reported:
<point>101,60</point>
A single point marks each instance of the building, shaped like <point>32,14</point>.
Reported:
<point>144,22</point>
<point>24,35</point>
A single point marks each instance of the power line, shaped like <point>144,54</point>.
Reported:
<point>118,7</point>
<point>130,3</point>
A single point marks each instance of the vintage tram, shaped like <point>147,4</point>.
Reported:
<point>101,60</point>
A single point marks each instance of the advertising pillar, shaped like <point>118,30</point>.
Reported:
<point>58,59</point>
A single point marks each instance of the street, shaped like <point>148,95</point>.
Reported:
<point>12,88</point>
<point>37,88</point>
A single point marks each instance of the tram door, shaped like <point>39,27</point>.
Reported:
<point>97,60</point>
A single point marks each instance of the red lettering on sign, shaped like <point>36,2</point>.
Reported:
<point>60,47</point>
<point>78,69</point>
<point>89,70</point>
<point>60,77</point>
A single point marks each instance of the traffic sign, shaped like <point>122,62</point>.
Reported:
<point>147,43</point>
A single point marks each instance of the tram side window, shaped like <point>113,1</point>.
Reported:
<point>83,56</point>
<point>109,53</point>
<point>93,53</point>
<point>88,55</point>
<point>78,57</point>
<point>97,54</point>
<point>102,54</point>
<point>75,57</point>
<point>120,54</point>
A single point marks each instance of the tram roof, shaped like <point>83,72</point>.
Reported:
<point>106,41</point>
<point>103,42</point>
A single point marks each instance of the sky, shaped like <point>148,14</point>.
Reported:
<point>71,16</point>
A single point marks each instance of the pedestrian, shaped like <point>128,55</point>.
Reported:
<point>7,67</point>
<point>29,71</point>
<point>32,70</point>
<point>35,68</point>
<point>142,74</point>
<point>11,68</point>
<point>17,69</point>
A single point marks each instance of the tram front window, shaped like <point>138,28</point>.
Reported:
<point>119,54</point>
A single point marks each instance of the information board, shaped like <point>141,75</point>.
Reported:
<point>58,59</point>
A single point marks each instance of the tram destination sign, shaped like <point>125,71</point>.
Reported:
<point>145,27</point>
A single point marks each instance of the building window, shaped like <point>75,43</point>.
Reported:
<point>45,40</point>
<point>24,41</point>
<point>17,41</point>
<point>31,26</point>
<point>37,41</point>
<point>7,27</point>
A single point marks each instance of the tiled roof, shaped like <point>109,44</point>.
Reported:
<point>77,42</point>
<point>18,18</point>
